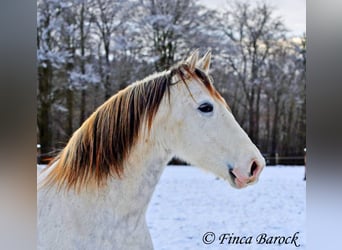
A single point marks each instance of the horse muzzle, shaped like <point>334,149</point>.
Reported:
<point>241,179</point>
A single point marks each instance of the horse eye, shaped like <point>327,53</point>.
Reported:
<point>206,107</point>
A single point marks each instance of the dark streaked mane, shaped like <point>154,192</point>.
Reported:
<point>99,148</point>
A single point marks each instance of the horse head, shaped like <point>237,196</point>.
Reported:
<point>200,128</point>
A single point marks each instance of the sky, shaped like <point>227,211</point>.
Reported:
<point>293,12</point>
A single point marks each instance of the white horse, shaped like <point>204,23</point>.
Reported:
<point>94,195</point>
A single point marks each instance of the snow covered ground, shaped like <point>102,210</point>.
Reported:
<point>189,202</point>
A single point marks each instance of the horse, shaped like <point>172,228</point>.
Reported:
<point>95,193</point>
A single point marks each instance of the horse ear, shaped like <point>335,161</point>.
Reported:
<point>192,60</point>
<point>204,62</point>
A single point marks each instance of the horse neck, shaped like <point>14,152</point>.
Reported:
<point>142,171</point>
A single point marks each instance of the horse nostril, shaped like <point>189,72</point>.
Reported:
<point>232,175</point>
<point>253,168</point>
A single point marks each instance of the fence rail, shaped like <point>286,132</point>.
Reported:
<point>285,160</point>
<point>270,160</point>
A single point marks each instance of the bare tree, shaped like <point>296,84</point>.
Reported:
<point>250,32</point>
<point>168,27</point>
<point>81,72</point>
<point>109,17</point>
<point>285,91</point>
<point>52,56</point>
<point>89,49</point>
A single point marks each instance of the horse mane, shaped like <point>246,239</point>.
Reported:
<point>99,148</point>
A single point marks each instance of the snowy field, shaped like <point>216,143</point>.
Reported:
<point>189,202</point>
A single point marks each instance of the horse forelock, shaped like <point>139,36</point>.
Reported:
<point>100,147</point>
<point>206,80</point>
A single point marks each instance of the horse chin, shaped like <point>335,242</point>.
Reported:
<point>239,184</point>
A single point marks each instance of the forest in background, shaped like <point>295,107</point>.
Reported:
<point>87,50</point>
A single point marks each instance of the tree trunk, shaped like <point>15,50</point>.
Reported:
<point>257,116</point>
<point>44,111</point>
<point>107,79</point>
<point>251,128</point>
<point>268,125</point>
<point>82,62</point>
<point>274,135</point>
<point>70,107</point>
